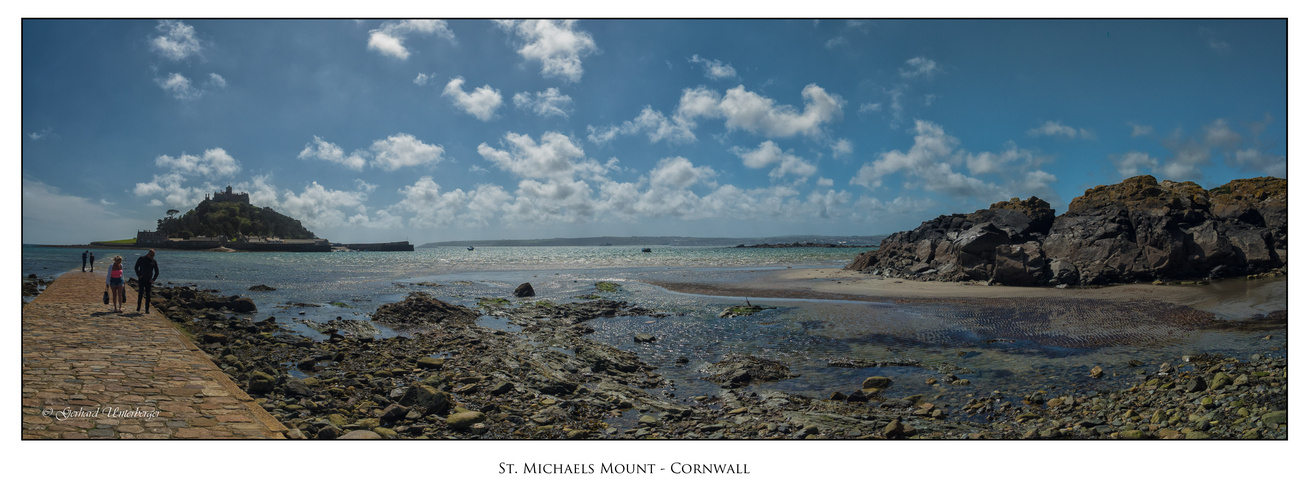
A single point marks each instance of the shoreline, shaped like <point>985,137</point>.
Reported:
<point>841,284</point>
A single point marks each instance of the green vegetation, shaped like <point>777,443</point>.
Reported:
<point>607,286</point>
<point>492,302</point>
<point>129,241</point>
<point>231,219</point>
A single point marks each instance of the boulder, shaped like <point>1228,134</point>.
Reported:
<point>361,434</point>
<point>524,290</point>
<point>420,309</point>
<point>739,370</point>
<point>465,419</point>
<point>426,399</point>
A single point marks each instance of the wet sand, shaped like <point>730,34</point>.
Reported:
<point>1232,299</point>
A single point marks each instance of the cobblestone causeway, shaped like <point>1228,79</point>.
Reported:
<point>91,373</point>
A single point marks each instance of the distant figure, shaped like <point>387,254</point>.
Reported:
<point>147,271</point>
<point>84,260</point>
<point>114,282</point>
<point>93,261</point>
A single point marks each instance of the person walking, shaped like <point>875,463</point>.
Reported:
<point>84,260</point>
<point>93,261</point>
<point>147,271</point>
<point>114,282</point>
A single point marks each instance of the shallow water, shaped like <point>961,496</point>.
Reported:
<point>1014,346</point>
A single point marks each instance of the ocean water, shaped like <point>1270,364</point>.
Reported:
<point>1002,346</point>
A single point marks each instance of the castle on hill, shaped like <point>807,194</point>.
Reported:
<point>230,196</point>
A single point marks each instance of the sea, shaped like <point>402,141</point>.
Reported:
<point>1006,349</point>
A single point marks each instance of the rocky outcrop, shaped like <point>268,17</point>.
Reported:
<point>1137,230</point>
<point>420,309</point>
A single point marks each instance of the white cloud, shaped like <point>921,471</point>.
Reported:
<point>320,207</point>
<point>870,107</point>
<point>1218,135</point>
<point>714,69</point>
<point>742,109</point>
<point>835,42</point>
<point>404,150</point>
<point>180,87</point>
<point>1141,130</point>
<point>482,103</point>
<point>933,161</point>
<point>217,80</point>
<point>323,150</point>
<point>177,40</point>
<point>557,45</point>
<point>823,181</point>
<point>920,67</point>
<point>1051,128</point>
<point>768,154</point>
<point>841,148</point>
<point>1260,161</point>
<point>556,156</point>
<point>1134,163</point>
<point>657,127</point>
<point>214,163</point>
<point>423,78</point>
<point>389,39</point>
<point>545,103</point>
<point>431,207</point>
<point>43,134</point>
<point>678,173</point>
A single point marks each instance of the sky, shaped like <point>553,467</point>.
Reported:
<point>433,130</point>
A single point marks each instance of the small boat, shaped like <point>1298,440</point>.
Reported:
<point>470,249</point>
<point>645,250</point>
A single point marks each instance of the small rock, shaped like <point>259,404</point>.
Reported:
<point>877,383</point>
<point>465,419</point>
<point>360,434</point>
<point>1097,372</point>
<point>643,338</point>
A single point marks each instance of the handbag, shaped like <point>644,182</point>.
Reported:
<point>106,299</point>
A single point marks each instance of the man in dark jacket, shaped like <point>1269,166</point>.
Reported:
<point>147,271</point>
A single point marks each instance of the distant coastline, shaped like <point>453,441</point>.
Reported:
<point>806,240</point>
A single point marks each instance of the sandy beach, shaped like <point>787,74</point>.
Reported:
<point>1233,298</point>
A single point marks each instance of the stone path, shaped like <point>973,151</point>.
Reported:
<point>90,373</point>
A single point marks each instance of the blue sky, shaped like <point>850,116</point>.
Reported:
<point>430,130</point>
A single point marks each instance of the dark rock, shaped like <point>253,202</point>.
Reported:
<point>524,290</point>
<point>427,399</point>
<point>876,383</point>
<point>260,383</point>
<point>297,387</point>
<point>262,288</point>
<point>738,370</point>
<point>1194,385</point>
<point>242,305</point>
<point>1137,230</point>
<point>464,420</point>
<point>420,309</point>
<point>643,338</point>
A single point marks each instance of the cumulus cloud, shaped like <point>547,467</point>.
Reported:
<point>920,67</point>
<point>323,150</point>
<point>557,45</point>
<point>545,103</point>
<point>933,161</point>
<point>842,148</point>
<point>176,40</point>
<point>214,163</point>
<point>404,150</point>
<point>481,103</point>
<point>319,207</point>
<point>714,69</point>
<point>1133,163</point>
<point>746,110</point>
<point>678,173</point>
<point>556,156</point>
<point>786,163</point>
<point>656,126</point>
<point>389,39</point>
